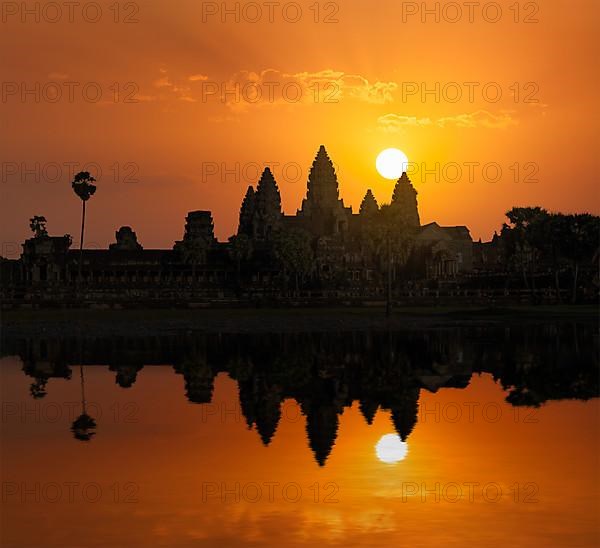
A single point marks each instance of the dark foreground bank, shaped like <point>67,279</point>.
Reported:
<point>149,322</point>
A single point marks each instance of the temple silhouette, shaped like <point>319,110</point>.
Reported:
<point>325,373</point>
<point>324,251</point>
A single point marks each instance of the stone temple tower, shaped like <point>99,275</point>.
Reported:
<point>247,212</point>
<point>322,208</point>
<point>198,237</point>
<point>267,206</point>
<point>404,202</point>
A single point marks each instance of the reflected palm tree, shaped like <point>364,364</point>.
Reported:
<point>83,427</point>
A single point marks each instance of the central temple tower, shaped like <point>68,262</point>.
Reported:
<point>322,208</point>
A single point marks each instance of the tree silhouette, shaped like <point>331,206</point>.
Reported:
<point>83,185</point>
<point>294,253</point>
<point>536,239</point>
<point>240,250</point>
<point>525,240</point>
<point>38,226</point>
<point>390,237</point>
<point>38,388</point>
<point>579,243</point>
<point>553,228</point>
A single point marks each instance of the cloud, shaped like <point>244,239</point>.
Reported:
<point>360,88</point>
<point>272,86</point>
<point>344,85</point>
<point>163,82</point>
<point>171,90</point>
<point>394,123</point>
<point>480,118</point>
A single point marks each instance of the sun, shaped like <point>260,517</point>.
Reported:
<point>391,163</point>
<point>391,449</point>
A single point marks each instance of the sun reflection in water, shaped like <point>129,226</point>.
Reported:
<point>391,449</point>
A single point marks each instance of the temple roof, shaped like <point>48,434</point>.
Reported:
<point>453,232</point>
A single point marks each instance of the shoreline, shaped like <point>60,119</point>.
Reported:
<point>141,322</point>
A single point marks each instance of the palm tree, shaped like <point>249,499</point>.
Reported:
<point>83,427</point>
<point>83,185</point>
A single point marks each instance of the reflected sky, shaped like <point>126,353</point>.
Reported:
<point>163,470</point>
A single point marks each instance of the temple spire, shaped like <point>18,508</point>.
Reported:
<point>322,423</point>
<point>268,212</point>
<point>368,409</point>
<point>323,189</point>
<point>404,201</point>
<point>247,212</point>
<point>322,206</point>
<point>405,413</point>
<point>369,204</point>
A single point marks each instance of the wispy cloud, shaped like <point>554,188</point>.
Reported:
<point>163,82</point>
<point>247,88</point>
<point>180,92</point>
<point>391,123</point>
<point>197,78</point>
<point>271,86</point>
<point>394,123</point>
<point>352,86</point>
<point>479,118</point>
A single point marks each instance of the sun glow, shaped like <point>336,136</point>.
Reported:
<point>391,449</point>
<point>391,163</point>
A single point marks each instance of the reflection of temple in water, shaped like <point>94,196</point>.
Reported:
<point>326,373</point>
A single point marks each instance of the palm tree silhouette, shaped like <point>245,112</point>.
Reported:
<point>84,425</point>
<point>83,185</point>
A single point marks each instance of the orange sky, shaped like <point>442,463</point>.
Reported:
<point>350,76</point>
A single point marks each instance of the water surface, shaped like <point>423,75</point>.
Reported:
<point>482,435</point>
